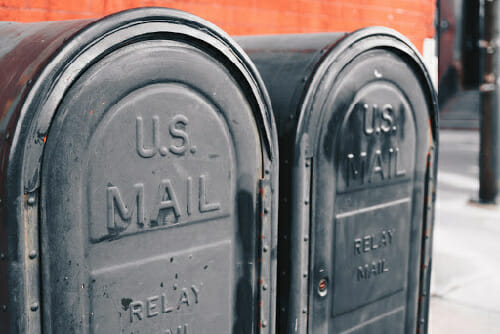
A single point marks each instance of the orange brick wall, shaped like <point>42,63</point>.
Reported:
<point>413,18</point>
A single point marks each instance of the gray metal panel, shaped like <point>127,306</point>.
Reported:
<point>148,145</point>
<point>354,180</point>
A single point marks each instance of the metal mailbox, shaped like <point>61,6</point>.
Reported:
<point>357,125</point>
<point>139,179</point>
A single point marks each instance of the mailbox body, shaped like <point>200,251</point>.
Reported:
<point>357,124</point>
<point>138,179</point>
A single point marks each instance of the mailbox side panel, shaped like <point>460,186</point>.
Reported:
<point>24,50</point>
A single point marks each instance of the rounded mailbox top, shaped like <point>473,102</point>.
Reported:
<point>77,45</point>
<point>363,46</point>
<point>149,138</point>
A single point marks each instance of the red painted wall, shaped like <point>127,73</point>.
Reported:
<point>413,18</point>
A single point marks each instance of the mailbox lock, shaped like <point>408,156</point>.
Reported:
<point>323,286</point>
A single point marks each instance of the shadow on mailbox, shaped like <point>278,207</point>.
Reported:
<point>138,178</point>
<point>357,125</point>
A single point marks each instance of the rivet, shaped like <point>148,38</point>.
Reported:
<point>422,320</point>
<point>4,308</point>
<point>2,256</point>
<point>266,171</point>
<point>266,210</point>
<point>264,248</point>
<point>32,254</point>
<point>34,306</point>
<point>7,136</point>
<point>304,310</point>
<point>31,200</point>
<point>305,274</point>
<point>306,238</point>
<point>308,164</point>
<point>264,287</point>
<point>264,324</point>
<point>306,202</point>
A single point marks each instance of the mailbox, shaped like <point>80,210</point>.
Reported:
<point>139,179</point>
<point>357,126</point>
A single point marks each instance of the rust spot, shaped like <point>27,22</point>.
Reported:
<point>44,139</point>
<point>262,237</point>
<point>262,191</point>
<point>91,112</point>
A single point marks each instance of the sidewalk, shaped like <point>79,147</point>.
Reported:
<point>466,259</point>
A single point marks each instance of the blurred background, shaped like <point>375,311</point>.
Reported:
<point>463,35</point>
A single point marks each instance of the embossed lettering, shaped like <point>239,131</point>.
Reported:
<point>387,119</point>
<point>195,293</point>
<point>167,208</point>
<point>370,270</point>
<point>377,165</point>
<point>399,172</point>
<point>375,121</point>
<point>150,151</point>
<point>179,137</point>
<point>159,304</point>
<point>180,330</point>
<point>152,307</point>
<point>184,298</point>
<point>380,166</point>
<point>164,304</point>
<point>136,308</point>
<point>175,128</point>
<point>356,168</point>
<point>205,206</point>
<point>369,129</point>
<point>166,200</point>
<point>115,204</point>
<point>373,242</point>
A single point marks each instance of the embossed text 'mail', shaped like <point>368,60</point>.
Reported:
<point>372,243</point>
<point>166,208</point>
<point>379,162</point>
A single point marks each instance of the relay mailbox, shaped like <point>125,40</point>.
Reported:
<point>356,116</point>
<point>138,179</point>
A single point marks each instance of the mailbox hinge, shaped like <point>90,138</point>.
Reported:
<point>266,250</point>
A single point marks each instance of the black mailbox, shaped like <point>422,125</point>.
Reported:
<point>138,179</point>
<point>357,126</point>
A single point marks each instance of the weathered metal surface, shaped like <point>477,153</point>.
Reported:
<point>357,126</point>
<point>141,152</point>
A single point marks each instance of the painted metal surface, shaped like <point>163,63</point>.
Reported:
<point>357,125</point>
<point>139,182</point>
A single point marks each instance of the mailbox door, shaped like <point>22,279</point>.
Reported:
<point>368,154</point>
<point>156,204</point>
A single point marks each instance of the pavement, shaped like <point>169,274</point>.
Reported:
<point>461,111</point>
<point>465,284</point>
